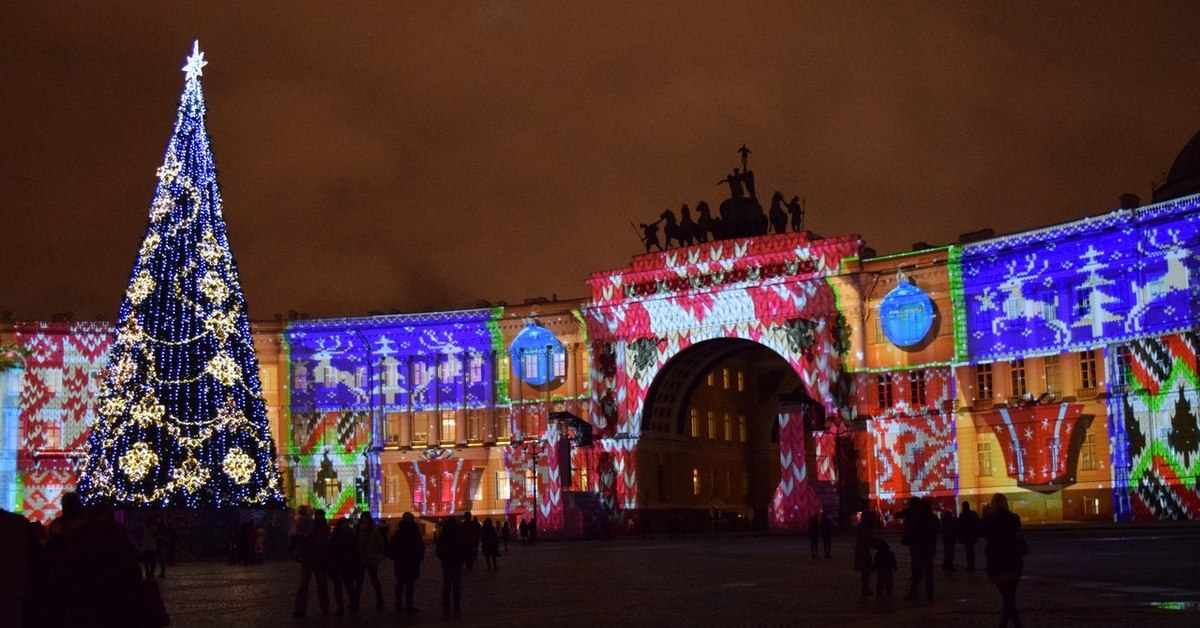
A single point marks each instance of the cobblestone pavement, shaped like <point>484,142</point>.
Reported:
<point>727,581</point>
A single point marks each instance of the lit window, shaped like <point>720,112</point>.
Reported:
<point>741,379</point>
<point>1053,374</point>
<point>391,488</point>
<point>475,485</point>
<point>1087,369</point>
<point>421,429</point>
<point>476,369</point>
<point>695,422</point>
<point>360,377</point>
<point>1017,371</point>
<point>883,385</point>
<point>1087,456</point>
<point>475,426</point>
<point>529,362</point>
<point>725,378</point>
<point>560,364</point>
<point>741,428</point>
<point>712,425</point>
<point>695,481</point>
<point>502,486</point>
<point>728,427</point>
<point>709,379</point>
<point>983,381</point>
<point>448,425</point>
<point>53,432</point>
<point>392,422</point>
<point>983,455</point>
<point>916,381</point>
<point>448,368</point>
<point>420,375</point>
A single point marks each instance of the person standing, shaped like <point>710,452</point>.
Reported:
<point>864,538</point>
<point>814,532</point>
<point>451,550</point>
<point>149,546</point>
<point>949,539</point>
<point>370,549</point>
<point>920,534</point>
<point>343,566</point>
<point>313,554</point>
<point>491,544</point>
<point>471,531</point>
<point>505,532</point>
<point>406,549</point>
<point>1005,553</point>
<point>826,533</point>
<point>968,533</point>
<point>100,581</point>
<point>885,568</point>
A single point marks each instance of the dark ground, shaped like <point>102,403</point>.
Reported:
<point>1074,577</point>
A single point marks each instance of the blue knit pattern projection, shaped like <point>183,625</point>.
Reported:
<point>1080,285</point>
<point>181,416</point>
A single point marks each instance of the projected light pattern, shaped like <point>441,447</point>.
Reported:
<point>58,398</point>
<point>1080,285</point>
<point>794,501</point>
<point>1154,429</point>
<point>1040,442</point>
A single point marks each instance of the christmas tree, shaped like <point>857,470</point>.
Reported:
<point>181,418</point>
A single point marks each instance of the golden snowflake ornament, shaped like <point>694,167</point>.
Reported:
<point>138,460</point>
<point>238,466</point>
<point>148,411</point>
<point>224,369</point>
<point>190,475</point>
<point>221,325</point>
<point>141,287</point>
<point>210,251</point>
<point>214,287</point>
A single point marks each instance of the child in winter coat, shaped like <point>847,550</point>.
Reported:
<point>884,566</point>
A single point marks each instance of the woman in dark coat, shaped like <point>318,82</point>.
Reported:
<point>864,539</point>
<point>491,544</point>
<point>407,550</point>
<point>451,549</point>
<point>343,565</point>
<point>1005,553</point>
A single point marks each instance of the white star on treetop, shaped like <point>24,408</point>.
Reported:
<point>195,63</point>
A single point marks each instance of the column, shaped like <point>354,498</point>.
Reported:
<point>489,380</point>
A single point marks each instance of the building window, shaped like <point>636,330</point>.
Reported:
<point>560,364</point>
<point>1124,367</point>
<point>712,425</point>
<point>694,419</point>
<point>1087,369</point>
<point>983,381</point>
<point>916,388</point>
<point>741,428</point>
<point>502,485</point>
<point>392,422</point>
<point>475,485</point>
<point>503,432</point>
<point>419,374</point>
<point>983,456</point>
<point>1087,456</point>
<point>448,369</point>
<point>476,369</point>
<point>1052,374</point>
<point>728,427</point>
<point>725,378</point>
<point>1016,370</point>
<point>448,424</point>
<point>360,377</point>
<point>741,381</point>
<point>475,426</point>
<point>579,479</point>
<point>421,429</point>
<point>529,365</point>
<point>695,481</point>
<point>878,325</point>
<point>53,431</point>
<point>883,385</point>
<point>391,488</point>
<point>709,380</point>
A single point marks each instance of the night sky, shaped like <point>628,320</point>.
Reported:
<point>421,157</point>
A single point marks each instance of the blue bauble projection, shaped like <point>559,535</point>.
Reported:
<point>535,351</point>
<point>906,314</point>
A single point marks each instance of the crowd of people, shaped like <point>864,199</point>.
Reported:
<point>347,555</point>
<point>1004,553</point>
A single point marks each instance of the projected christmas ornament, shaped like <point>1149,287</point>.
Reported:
<point>537,351</point>
<point>906,314</point>
<point>181,418</point>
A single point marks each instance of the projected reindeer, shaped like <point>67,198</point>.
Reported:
<point>1176,279</point>
<point>1017,308</point>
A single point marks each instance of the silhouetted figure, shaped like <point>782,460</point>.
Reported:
<point>650,235</point>
<point>100,582</point>
<point>370,542</point>
<point>826,533</point>
<point>343,565</point>
<point>406,549</point>
<point>735,182</point>
<point>778,217</point>
<point>490,542</point>
<point>61,530</point>
<point>471,532</point>
<point>149,546</point>
<point>704,224</point>
<point>1005,553</point>
<point>796,211</point>
<point>814,532</point>
<point>247,539</point>
<point>20,584</point>
<point>864,540</point>
<point>949,539</point>
<point>745,153</point>
<point>301,525</point>
<point>968,533</point>
<point>314,561</point>
<point>505,532</point>
<point>672,231</point>
<point>885,569</point>
<point>523,530</point>
<point>748,182</point>
<point>920,535</point>
<point>451,550</point>
<point>687,228</point>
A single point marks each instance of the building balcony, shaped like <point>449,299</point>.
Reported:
<point>982,405</point>
<point>1088,393</point>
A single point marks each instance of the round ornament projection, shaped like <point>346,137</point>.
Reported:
<point>906,314</point>
<point>539,354</point>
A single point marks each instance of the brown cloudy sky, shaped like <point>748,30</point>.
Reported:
<point>423,156</point>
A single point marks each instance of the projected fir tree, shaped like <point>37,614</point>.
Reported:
<point>181,418</point>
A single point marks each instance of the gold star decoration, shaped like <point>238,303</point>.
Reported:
<point>141,287</point>
<point>221,325</point>
<point>138,460</point>
<point>214,287</point>
<point>190,475</point>
<point>238,465</point>
<point>224,369</point>
<point>148,411</point>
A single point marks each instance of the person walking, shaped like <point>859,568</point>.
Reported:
<point>968,533</point>
<point>1005,553</point>
<point>864,539</point>
<point>370,550</point>
<point>826,533</point>
<point>814,532</point>
<point>920,534</point>
<point>406,549</point>
<point>949,539</point>
<point>343,566</point>
<point>451,551</point>
<point>491,544</point>
<point>313,554</point>
<point>505,532</point>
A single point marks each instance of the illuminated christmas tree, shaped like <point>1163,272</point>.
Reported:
<point>181,418</point>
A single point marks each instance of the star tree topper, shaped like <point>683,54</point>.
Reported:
<point>195,63</point>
